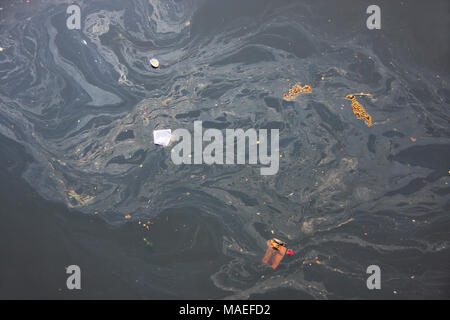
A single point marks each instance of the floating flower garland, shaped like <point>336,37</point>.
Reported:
<point>358,109</point>
<point>295,91</point>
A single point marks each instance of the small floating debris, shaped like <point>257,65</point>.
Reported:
<point>412,139</point>
<point>154,62</point>
<point>276,249</point>
<point>1,49</point>
<point>295,91</point>
<point>290,252</point>
<point>128,217</point>
<point>147,242</point>
<point>162,137</point>
<point>84,42</point>
<point>82,199</point>
<point>358,109</point>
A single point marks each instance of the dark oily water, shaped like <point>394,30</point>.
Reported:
<point>83,105</point>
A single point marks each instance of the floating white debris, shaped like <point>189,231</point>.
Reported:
<point>154,62</point>
<point>84,42</point>
<point>162,137</point>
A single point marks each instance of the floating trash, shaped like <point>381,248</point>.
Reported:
<point>162,137</point>
<point>128,217</point>
<point>154,62</point>
<point>276,249</point>
<point>290,252</point>
<point>358,109</point>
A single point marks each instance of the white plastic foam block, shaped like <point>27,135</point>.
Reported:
<point>162,137</point>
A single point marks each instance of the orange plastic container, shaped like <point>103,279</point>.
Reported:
<point>274,254</point>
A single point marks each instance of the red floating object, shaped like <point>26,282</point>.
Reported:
<point>290,252</point>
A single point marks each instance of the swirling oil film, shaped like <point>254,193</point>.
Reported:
<point>204,149</point>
